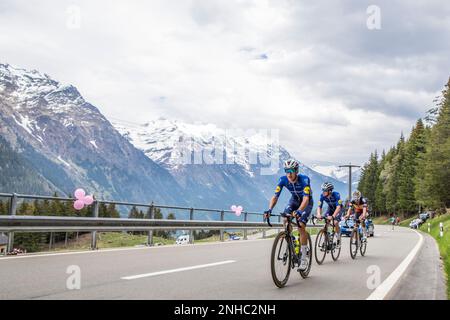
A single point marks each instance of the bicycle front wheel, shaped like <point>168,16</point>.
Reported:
<point>320,250</point>
<point>336,250</point>
<point>354,244</point>
<point>281,259</point>
<point>363,247</point>
<point>304,273</point>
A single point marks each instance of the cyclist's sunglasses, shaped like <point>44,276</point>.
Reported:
<point>290,170</point>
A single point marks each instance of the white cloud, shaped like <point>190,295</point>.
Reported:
<point>335,89</point>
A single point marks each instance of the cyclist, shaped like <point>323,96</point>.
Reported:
<point>334,211</point>
<point>393,220</point>
<point>300,204</point>
<point>359,205</point>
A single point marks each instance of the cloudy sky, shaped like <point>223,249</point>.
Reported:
<point>335,88</point>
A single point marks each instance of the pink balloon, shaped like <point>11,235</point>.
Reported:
<point>233,207</point>
<point>88,200</point>
<point>79,194</point>
<point>78,205</point>
<point>240,208</point>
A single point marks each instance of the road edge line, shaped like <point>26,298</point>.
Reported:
<point>88,251</point>
<point>386,286</point>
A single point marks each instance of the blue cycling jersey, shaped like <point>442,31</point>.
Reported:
<point>333,201</point>
<point>299,189</point>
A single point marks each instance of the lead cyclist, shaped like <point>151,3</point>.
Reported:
<point>300,204</point>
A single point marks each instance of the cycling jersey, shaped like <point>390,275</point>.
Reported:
<point>359,207</point>
<point>333,201</point>
<point>299,189</point>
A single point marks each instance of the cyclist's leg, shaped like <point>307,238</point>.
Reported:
<point>291,206</point>
<point>302,221</point>
<point>337,229</point>
<point>358,218</point>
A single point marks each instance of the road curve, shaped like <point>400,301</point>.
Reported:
<point>230,270</point>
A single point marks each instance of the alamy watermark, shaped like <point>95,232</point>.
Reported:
<point>373,21</point>
<point>232,146</point>
<point>374,279</point>
<point>73,20</point>
<point>73,282</point>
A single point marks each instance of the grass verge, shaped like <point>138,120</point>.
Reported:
<point>443,242</point>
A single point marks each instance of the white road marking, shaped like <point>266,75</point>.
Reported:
<point>383,289</point>
<point>152,274</point>
<point>31,255</point>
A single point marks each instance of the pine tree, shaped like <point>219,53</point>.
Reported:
<point>436,164</point>
<point>414,146</point>
<point>170,216</point>
<point>380,200</point>
<point>134,213</point>
<point>111,211</point>
<point>103,210</point>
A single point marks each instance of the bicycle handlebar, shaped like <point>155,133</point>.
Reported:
<point>268,219</point>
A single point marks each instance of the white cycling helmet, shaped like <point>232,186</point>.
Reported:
<point>327,186</point>
<point>356,195</point>
<point>291,164</point>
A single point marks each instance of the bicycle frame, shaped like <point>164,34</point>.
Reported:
<point>288,230</point>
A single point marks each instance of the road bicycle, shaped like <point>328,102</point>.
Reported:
<point>326,241</point>
<point>283,256</point>
<point>356,242</point>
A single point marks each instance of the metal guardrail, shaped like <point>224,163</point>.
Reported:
<point>19,223</point>
<point>69,224</point>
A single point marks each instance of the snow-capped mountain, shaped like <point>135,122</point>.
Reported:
<point>244,180</point>
<point>72,144</point>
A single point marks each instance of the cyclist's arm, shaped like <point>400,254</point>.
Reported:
<point>306,194</point>
<point>304,203</point>
<point>364,213</point>
<point>319,212</point>
<point>338,209</point>
<point>338,205</point>
<point>319,208</point>
<point>273,202</point>
<point>348,212</point>
<point>274,199</point>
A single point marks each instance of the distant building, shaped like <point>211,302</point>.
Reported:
<point>3,243</point>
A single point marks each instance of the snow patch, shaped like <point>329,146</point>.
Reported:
<point>64,162</point>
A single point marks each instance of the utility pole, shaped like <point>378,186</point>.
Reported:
<point>349,166</point>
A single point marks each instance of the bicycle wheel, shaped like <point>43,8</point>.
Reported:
<point>363,247</point>
<point>305,272</point>
<point>320,247</point>
<point>354,244</point>
<point>335,251</point>
<point>281,259</point>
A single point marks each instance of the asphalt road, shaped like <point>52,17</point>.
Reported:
<point>230,270</point>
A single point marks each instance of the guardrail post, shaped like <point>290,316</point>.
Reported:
<point>150,233</point>
<point>12,212</point>
<point>94,233</point>
<point>245,230</point>
<point>264,233</point>
<point>50,242</point>
<point>191,232</point>
<point>222,214</point>
<point>441,229</point>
